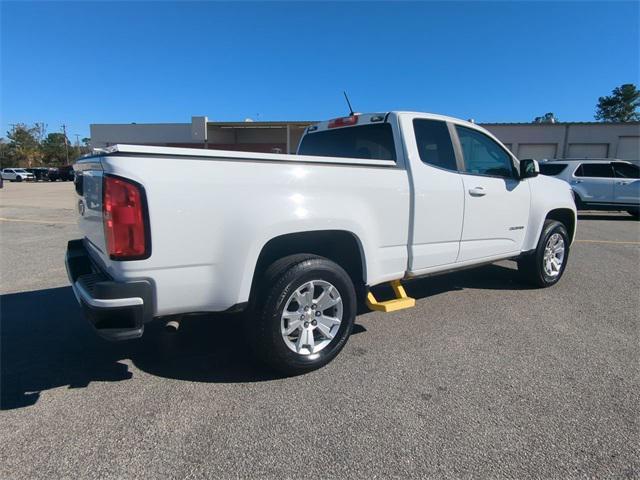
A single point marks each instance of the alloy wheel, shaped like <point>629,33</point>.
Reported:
<point>311,317</point>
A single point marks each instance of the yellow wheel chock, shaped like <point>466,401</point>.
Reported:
<point>401,301</point>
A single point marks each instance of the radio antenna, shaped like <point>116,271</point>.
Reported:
<point>351,114</point>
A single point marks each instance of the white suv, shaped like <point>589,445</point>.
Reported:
<point>16,174</point>
<point>599,184</point>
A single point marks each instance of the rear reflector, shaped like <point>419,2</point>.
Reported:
<point>124,215</point>
<point>343,121</point>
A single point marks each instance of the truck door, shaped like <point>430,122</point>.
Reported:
<point>497,203</point>
<point>438,198</point>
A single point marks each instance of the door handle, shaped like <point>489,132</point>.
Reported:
<point>477,192</point>
<point>576,182</point>
<point>623,183</point>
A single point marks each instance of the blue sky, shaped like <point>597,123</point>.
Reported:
<point>81,63</point>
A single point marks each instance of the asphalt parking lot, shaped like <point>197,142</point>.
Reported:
<point>485,378</point>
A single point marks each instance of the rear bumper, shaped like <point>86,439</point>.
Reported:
<point>117,310</point>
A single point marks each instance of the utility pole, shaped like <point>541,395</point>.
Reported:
<point>66,147</point>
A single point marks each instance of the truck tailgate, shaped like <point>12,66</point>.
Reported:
<point>88,185</point>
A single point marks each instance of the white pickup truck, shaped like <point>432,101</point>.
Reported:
<point>294,239</point>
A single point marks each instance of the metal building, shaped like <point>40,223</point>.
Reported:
<point>570,139</point>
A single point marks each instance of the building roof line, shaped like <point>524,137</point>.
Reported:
<point>301,123</point>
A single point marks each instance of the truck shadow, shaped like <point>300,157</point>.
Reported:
<point>46,344</point>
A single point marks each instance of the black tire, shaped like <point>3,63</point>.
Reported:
<point>279,282</point>
<point>531,266</point>
<point>18,179</point>
<point>634,212</point>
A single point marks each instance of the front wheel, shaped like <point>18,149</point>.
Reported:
<point>545,266</point>
<point>305,316</point>
<point>634,212</point>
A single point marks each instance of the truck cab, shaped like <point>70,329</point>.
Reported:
<point>469,201</point>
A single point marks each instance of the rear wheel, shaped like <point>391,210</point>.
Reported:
<point>305,315</point>
<point>545,266</point>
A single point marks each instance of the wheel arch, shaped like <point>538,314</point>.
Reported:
<point>341,246</point>
<point>567,217</point>
<point>577,199</point>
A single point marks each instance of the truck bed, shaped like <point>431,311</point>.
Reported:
<point>211,212</point>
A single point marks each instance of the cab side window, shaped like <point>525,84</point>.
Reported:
<point>434,144</point>
<point>483,156</point>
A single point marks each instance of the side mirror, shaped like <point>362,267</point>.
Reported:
<point>529,168</point>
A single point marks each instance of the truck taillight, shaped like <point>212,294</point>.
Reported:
<point>343,122</point>
<point>124,215</point>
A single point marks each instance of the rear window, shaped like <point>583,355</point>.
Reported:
<point>625,170</point>
<point>598,170</point>
<point>552,168</point>
<point>373,142</point>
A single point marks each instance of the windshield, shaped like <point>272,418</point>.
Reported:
<point>20,170</point>
<point>373,142</point>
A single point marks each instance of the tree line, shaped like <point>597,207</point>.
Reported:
<point>619,107</point>
<point>30,146</point>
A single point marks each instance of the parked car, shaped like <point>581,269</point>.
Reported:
<point>66,173</point>
<point>368,199</point>
<point>17,175</point>
<point>39,173</point>
<point>53,174</point>
<point>599,184</point>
